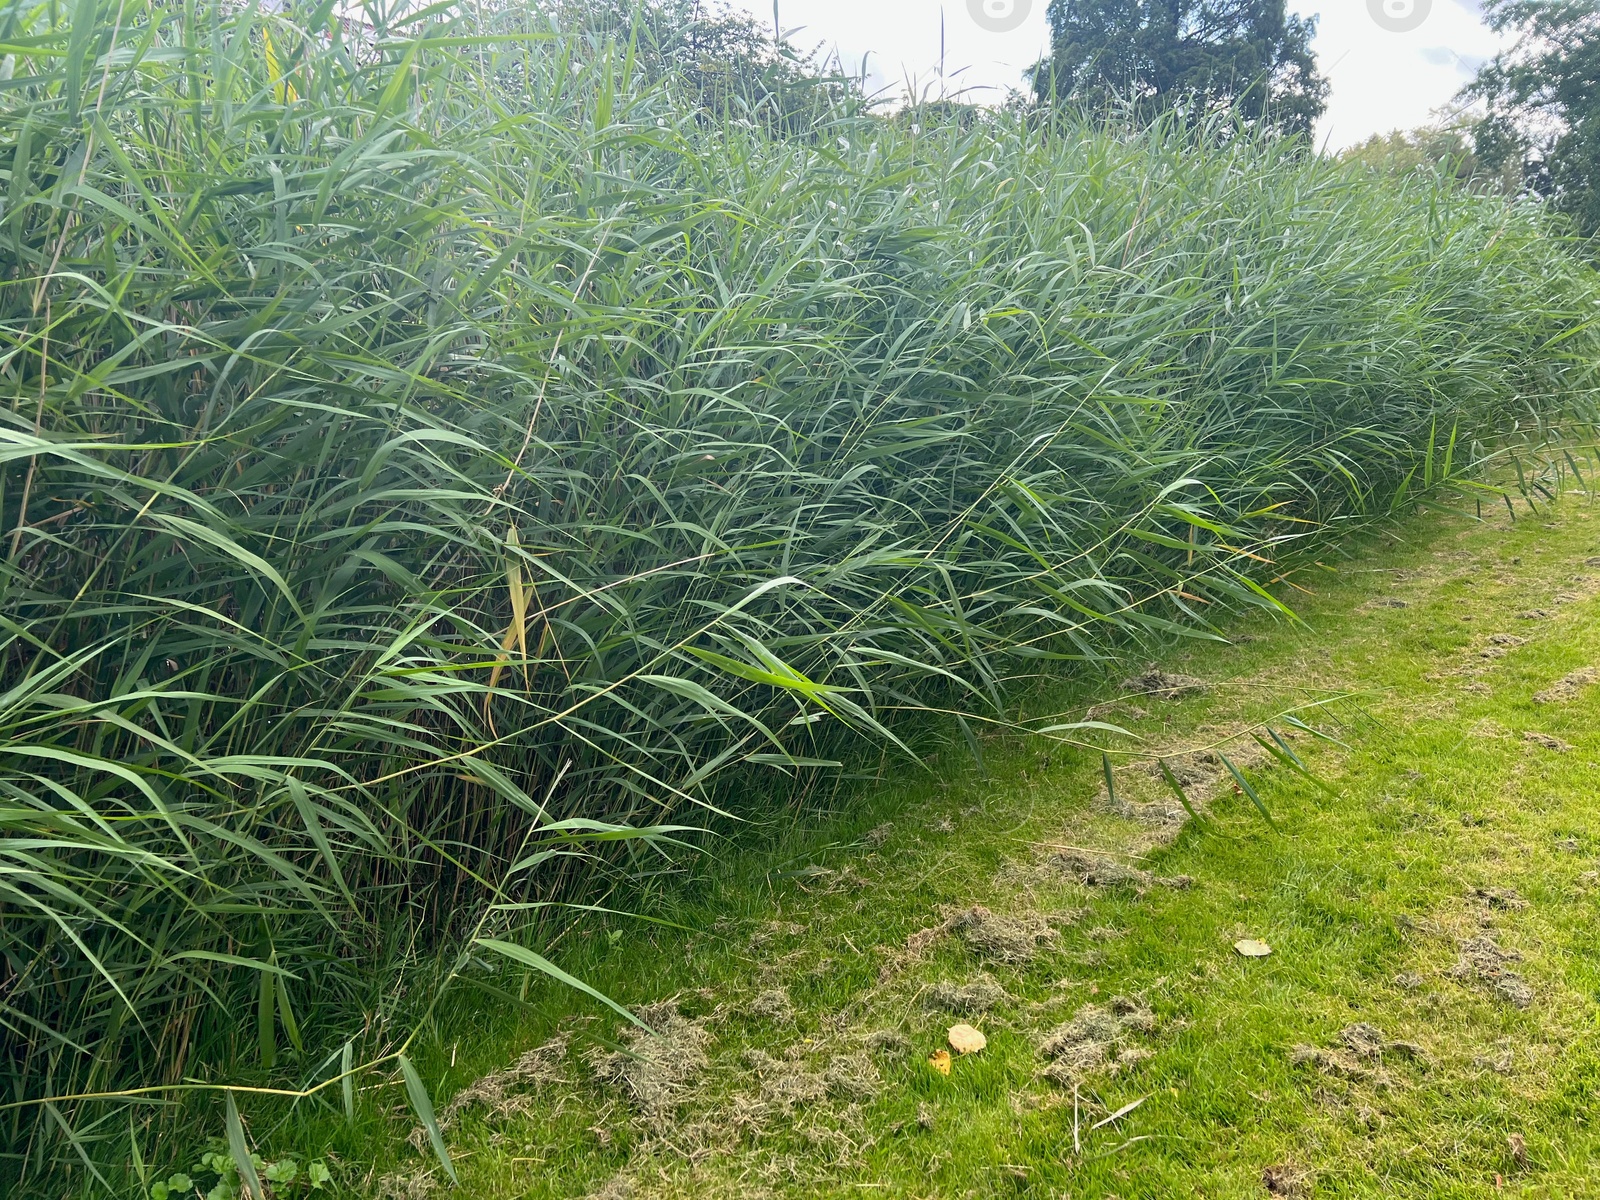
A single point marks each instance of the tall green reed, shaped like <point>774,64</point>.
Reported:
<point>438,454</point>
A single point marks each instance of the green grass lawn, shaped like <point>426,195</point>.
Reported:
<point>1424,1025</point>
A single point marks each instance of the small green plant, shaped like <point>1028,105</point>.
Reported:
<point>288,1175</point>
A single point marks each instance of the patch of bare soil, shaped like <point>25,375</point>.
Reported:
<point>1366,1040</point>
<point>1483,961</point>
<point>1290,1180</point>
<point>1504,899</point>
<point>1166,685</point>
<point>1101,870</point>
<point>1535,614</point>
<point>1359,1055</point>
<point>969,999</point>
<point>1386,602</point>
<point>656,1072</point>
<point>1548,741</point>
<point>1097,1040</point>
<point>1568,688</point>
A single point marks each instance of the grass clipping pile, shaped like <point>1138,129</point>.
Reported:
<point>657,1068</point>
<point>1098,1039</point>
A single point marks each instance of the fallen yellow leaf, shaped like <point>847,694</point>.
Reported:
<point>939,1060</point>
<point>964,1039</point>
<point>1251,948</point>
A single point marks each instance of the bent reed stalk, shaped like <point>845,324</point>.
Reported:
<point>437,455</point>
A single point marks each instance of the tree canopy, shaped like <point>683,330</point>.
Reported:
<point>727,60</point>
<point>1542,100</point>
<point>1447,148</point>
<point>1196,56</point>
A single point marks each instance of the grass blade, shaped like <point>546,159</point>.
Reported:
<point>422,1106</point>
<point>1280,750</point>
<point>528,958</point>
<point>1248,789</point>
<point>239,1150</point>
<point>1177,790</point>
<point>347,1082</point>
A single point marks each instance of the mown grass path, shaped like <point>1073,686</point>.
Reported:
<point>1424,1026</point>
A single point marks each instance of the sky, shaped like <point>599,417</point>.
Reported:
<point>1381,79</point>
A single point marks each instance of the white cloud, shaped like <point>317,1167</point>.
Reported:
<point>1381,80</point>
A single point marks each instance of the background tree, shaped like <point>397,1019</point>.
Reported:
<point>1543,101</point>
<point>724,59</point>
<point>1449,148</point>
<point>1195,55</point>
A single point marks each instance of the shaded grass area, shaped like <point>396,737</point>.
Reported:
<point>1367,901</point>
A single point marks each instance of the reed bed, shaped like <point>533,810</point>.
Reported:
<point>444,461</point>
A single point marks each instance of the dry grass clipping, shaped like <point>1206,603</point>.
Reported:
<point>657,1072</point>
